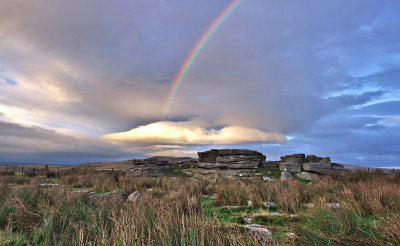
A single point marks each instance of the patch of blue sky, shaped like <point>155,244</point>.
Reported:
<point>8,80</point>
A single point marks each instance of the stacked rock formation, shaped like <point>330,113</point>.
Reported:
<point>151,167</point>
<point>227,163</point>
<point>306,167</point>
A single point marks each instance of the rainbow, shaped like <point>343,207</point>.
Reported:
<point>195,52</point>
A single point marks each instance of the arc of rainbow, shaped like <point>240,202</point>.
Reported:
<point>196,50</point>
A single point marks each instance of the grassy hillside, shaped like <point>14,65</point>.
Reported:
<point>352,209</point>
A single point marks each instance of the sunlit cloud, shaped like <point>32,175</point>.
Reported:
<point>175,153</point>
<point>191,133</point>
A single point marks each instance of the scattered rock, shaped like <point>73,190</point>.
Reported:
<point>134,196</point>
<point>290,235</point>
<point>270,204</point>
<point>269,179</point>
<point>286,176</point>
<point>249,203</point>
<point>248,220</point>
<point>305,176</point>
<point>258,228</point>
<point>113,196</point>
<point>333,205</point>
<point>233,207</point>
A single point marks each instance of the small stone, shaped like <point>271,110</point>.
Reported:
<point>269,179</point>
<point>286,175</point>
<point>249,203</point>
<point>248,220</point>
<point>275,214</point>
<point>270,204</point>
<point>290,235</point>
<point>333,205</point>
<point>259,228</point>
<point>134,196</point>
<point>149,189</point>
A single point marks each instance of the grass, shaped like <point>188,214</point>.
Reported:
<point>179,211</point>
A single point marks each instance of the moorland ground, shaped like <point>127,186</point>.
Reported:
<point>177,210</point>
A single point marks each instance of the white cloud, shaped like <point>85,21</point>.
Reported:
<point>390,121</point>
<point>191,133</point>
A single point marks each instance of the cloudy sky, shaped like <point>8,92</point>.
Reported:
<point>88,80</point>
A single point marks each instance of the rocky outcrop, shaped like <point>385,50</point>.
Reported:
<point>151,167</point>
<point>238,161</point>
<point>312,164</point>
<point>295,158</point>
<point>290,167</point>
<point>336,166</point>
<point>292,163</point>
<point>227,163</point>
<point>321,165</point>
<point>208,156</point>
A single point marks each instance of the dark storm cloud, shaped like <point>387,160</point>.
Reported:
<point>38,145</point>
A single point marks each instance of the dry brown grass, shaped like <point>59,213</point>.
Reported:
<point>173,212</point>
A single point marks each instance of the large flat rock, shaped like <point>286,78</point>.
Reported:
<point>224,152</point>
<point>239,161</point>
<point>295,158</point>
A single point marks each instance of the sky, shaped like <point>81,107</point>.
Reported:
<point>84,81</point>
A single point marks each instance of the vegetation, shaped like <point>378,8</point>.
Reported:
<point>176,210</point>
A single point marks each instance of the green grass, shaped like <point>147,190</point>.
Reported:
<point>270,172</point>
<point>175,173</point>
<point>8,238</point>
